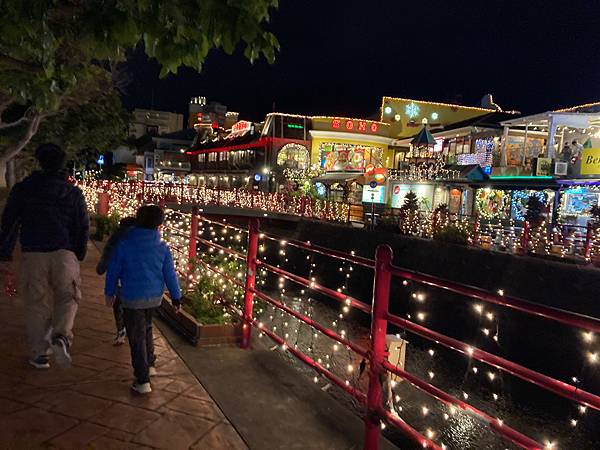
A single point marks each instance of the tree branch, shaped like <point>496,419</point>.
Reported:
<point>4,126</point>
<point>29,133</point>
<point>7,60</point>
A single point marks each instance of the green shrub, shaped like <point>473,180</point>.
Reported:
<point>203,301</point>
<point>200,303</point>
<point>453,235</point>
<point>105,225</point>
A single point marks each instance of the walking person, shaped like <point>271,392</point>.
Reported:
<point>143,265</point>
<point>50,215</point>
<point>124,226</point>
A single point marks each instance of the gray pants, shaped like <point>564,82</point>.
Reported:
<point>50,283</point>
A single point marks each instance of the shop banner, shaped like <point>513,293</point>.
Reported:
<point>590,161</point>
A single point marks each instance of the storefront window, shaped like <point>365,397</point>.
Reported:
<point>517,155</point>
<point>349,157</point>
<point>576,203</point>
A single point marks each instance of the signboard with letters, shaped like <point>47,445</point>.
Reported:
<point>590,161</point>
<point>373,194</point>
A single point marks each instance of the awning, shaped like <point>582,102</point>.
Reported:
<point>337,177</point>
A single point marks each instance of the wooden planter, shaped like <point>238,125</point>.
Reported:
<point>197,333</point>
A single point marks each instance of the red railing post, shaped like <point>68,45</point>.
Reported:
<point>252,251</point>
<point>193,234</point>
<point>377,349</point>
<point>302,205</point>
<point>476,230</point>
<point>525,238</point>
<point>588,241</point>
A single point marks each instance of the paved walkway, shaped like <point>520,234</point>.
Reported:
<point>89,406</point>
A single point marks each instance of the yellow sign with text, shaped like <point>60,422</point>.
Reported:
<point>590,161</point>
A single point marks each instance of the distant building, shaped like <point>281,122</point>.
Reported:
<point>209,114</point>
<point>154,123</point>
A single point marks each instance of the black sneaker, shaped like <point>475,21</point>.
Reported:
<point>41,362</point>
<point>120,338</point>
<point>60,345</point>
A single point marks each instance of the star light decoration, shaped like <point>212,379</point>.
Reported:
<point>412,110</point>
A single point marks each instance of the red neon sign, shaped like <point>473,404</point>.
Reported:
<point>361,125</point>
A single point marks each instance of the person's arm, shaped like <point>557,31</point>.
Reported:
<point>113,273</point>
<point>108,251</point>
<point>170,277</point>
<point>82,226</point>
<point>9,230</point>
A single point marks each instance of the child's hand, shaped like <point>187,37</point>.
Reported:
<point>109,300</point>
<point>176,305</point>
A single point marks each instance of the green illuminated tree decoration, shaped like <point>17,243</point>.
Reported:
<point>52,50</point>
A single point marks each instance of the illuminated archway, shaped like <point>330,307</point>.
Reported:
<point>293,156</point>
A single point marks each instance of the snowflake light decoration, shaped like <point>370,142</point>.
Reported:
<point>412,110</point>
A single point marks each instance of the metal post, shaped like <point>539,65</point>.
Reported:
<point>377,348</point>
<point>476,230</point>
<point>525,238</point>
<point>588,241</point>
<point>252,251</point>
<point>302,205</point>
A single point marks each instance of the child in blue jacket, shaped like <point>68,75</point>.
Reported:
<point>142,264</point>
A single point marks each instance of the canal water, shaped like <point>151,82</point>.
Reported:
<point>554,350</point>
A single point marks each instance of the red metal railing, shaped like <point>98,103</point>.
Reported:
<point>376,353</point>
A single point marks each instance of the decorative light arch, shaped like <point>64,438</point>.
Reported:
<point>293,156</point>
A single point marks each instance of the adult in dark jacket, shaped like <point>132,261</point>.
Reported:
<point>50,215</point>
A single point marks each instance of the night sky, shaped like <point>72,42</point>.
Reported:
<point>341,57</point>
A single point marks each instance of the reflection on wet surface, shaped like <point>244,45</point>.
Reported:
<point>454,428</point>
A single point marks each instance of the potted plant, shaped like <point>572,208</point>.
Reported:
<point>204,319</point>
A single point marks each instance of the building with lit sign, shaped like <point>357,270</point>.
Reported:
<point>233,158</point>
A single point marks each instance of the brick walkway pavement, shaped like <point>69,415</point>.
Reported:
<point>89,406</point>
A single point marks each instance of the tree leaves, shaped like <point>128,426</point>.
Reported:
<point>49,49</point>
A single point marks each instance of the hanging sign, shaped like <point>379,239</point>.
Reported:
<point>590,161</point>
<point>241,127</point>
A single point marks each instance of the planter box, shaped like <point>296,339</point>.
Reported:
<point>197,333</point>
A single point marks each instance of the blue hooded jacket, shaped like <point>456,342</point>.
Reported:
<point>143,264</point>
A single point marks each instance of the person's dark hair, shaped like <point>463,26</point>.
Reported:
<point>149,216</point>
<point>51,157</point>
<point>127,222</point>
